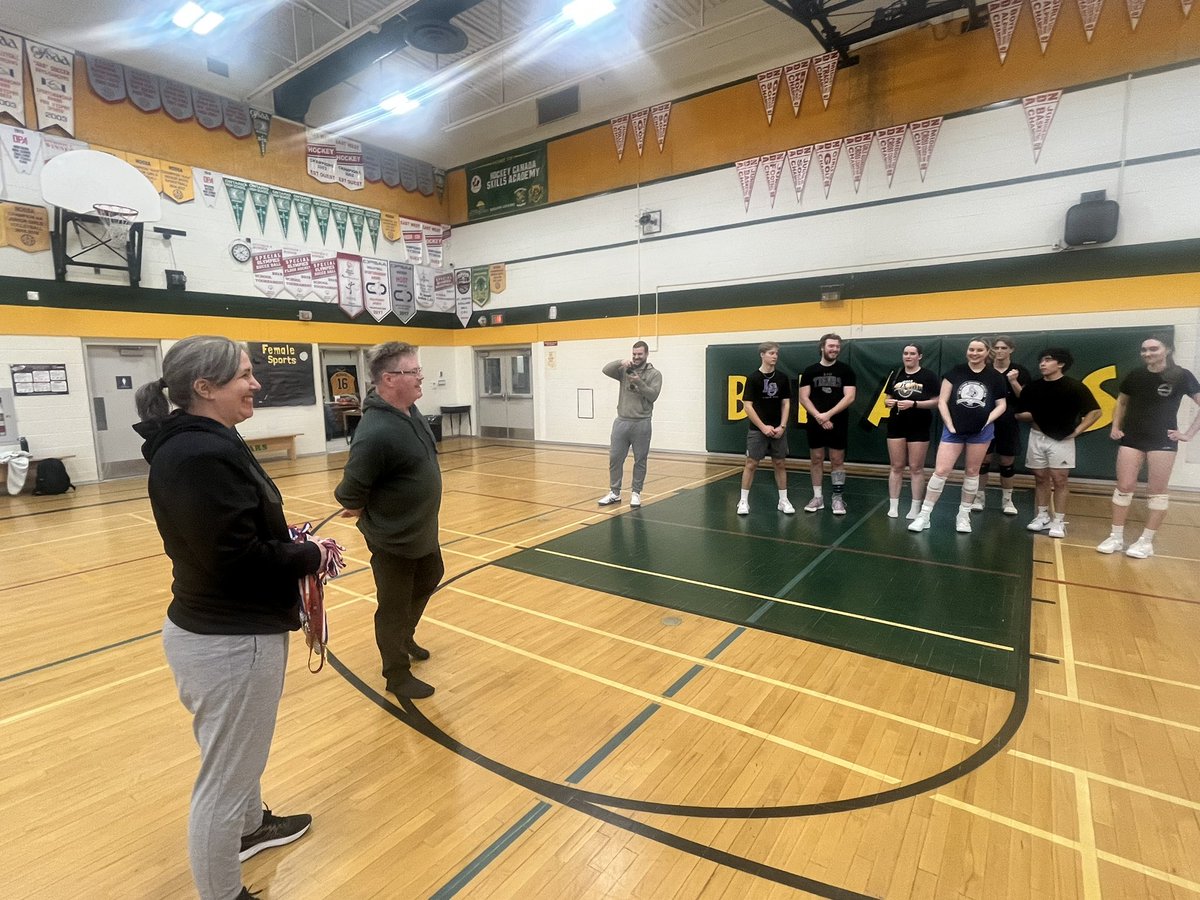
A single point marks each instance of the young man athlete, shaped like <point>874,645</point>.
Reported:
<point>827,391</point>
<point>768,401</point>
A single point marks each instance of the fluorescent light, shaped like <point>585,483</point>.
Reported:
<point>585,12</point>
<point>188,14</point>
<point>399,103</point>
<point>208,23</point>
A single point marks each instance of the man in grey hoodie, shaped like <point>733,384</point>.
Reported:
<point>640,387</point>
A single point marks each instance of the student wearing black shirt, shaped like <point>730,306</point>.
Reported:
<point>768,401</point>
<point>1060,409</point>
<point>827,391</point>
<point>911,397</point>
<point>1006,445</point>
<point>972,398</point>
<point>1146,423</point>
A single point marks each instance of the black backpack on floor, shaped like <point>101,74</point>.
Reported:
<point>52,478</point>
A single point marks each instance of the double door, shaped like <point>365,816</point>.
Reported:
<point>504,392</point>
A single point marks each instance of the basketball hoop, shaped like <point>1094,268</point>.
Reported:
<point>116,220</point>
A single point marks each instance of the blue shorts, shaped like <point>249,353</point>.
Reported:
<point>979,437</point>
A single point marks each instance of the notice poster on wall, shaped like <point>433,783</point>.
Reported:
<point>38,379</point>
<point>513,182</point>
<point>285,372</point>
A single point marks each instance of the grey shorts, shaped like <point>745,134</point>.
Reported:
<point>759,445</point>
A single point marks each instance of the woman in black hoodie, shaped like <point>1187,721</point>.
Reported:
<point>235,597</point>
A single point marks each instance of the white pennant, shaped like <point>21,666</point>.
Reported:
<point>826,65</point>
<point>1045,15</point>
<point>796,76</point>
<point>1003,15</point>
<point>924,136</point>
<point>660,114</point>
<point>857,148</point>
<point>768,87</point>
<point>24,147</point>
<point>1135,12</point>
<point>1089,12</point>
<point>620,128</point>
<point>827,158</point>
<point>747,169</point>
<point>1187,7</point>
<point>890,141</point>
<point>1039,113</point>
<point>772,166</point>
<point>639,119</point>
<point>799,160</point>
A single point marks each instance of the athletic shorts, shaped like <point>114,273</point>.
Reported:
<point>1149,443</point>
<point>904,427</point>
<point>759,445</point>
<point>834,438</point>
<point>979,437</point>
<point>1045,452</point>
<point>1007,441</point>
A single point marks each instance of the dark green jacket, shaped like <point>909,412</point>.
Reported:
<point>393,476</point>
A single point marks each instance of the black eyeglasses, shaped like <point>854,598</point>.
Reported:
<point>418,371</point>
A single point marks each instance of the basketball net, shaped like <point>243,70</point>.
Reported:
<point>116,220</point>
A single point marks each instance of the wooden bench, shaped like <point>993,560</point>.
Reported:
<point>285,442</point>
<point>31,478</point>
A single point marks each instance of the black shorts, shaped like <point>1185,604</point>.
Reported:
<point>1007,441</point>
<point>1149,443</point>
<point>914,429</point>
<point>834,438</point>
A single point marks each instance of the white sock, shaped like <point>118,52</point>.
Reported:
<point>745,495</point>
<point>927,507</point>
<point>817,493</point>
<point>1043,511</point>
<point>1006,495</point>
<point>964,509</point>
<point>1148,536</point>
<point>894,507</point>
<point>915,508</point>
<point>1060,517</point>
<point>783,494</point>
<point>1118,531</point>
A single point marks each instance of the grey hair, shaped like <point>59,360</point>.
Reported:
<point>381,356</point>
<point>213,358</point>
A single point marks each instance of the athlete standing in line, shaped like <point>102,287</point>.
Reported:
<point>1007,444</point>
<point>911,398</point>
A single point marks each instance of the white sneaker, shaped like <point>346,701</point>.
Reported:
<point>913,511</point>
<point>1040,523</point>
<point>839,505</point>
<point>977,505</point>
<point>815,504</point>
<point>609,499</point>
<point>1110,544</point>
<point>743,508</point>
<point>1058,529</point>
<point>1141,549</point>
<point>893,513</point>
<point>1009,508</point>
<point>785,507</point>
<point>920,522</point>
<point>962,523</point>
<point>635,500</point>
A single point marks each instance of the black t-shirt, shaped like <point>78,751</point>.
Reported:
<point>828,385</point>
<point>767,392</point>
<point>973,396</point>
<point>1057,406</point>
<point>922,384</point>
<point>1154,399</point>
<point>1023,379</point>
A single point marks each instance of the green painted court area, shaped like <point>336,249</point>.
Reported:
<point>942,601</point>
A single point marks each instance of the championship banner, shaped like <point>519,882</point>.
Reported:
<point>26,227</point>
<point>324,275</point>
<point>321,209</point>
<point>443,292</point>
<point>891,141</point>
<point>434,238</point>
<point>497,275</point>
<point>372,164</point>
<point>53,145</point>
<point>508,183</point>
<point>620,129</point>
<point>357,220</point>
<point>143,90</point>
<point>857,148</point>
<point>747,170</point>
<point>799,159</point>
<point>285,372</point>
<point>924,136</point>
<point>660,115</point>
<point>208,109</point>
<point>377,288</point>
<point>266,262</point>
<point>772,166</point>
<point>373,219</point>
<point>1003,15</point>
<point>462,296</point>
<point>53,76</point>
<point>176,100</point>
<point>106,78</point>
<point>12,78</point>
<point>1039,113</point>
<point>481,286</point>
<point>768,87</point>
<point>796,75</point>
<point>321,154</point>
<point>389,168</point>
<point>150,167</point>
<point>424,283</point>
<point>1045,15</point>
<point>425,179</point>
<point>235,188</point>
<point>303,205</point>
<point>283,208</point>
<point>208,186</point>
<point>260,121</point>
<point>297,272</point>
<point>403,296</point>
<point>826,154</point>
<point>22,146</point>
<point>349,171</point>
<point>260,196</point>
<point>826,66</point>
<point>390,225</point>
<point>1089,12</point>
<point>236,118</point>
<point>638,121</point>
<point>349,284</point>
<point>414,241</point>
<point>341,216</point>
<point>408,173</point>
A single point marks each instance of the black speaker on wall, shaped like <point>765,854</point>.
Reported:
<point>1091,221</point>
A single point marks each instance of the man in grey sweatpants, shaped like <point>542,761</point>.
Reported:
<point>640,387</point>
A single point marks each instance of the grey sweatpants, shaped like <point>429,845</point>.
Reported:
<point>231,684</point>
<point>628,433</point>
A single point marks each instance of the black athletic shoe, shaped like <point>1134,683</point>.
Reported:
<point>415,650</point>
<point>275,831</point>
<point>411,687</point>
<point>246,894</point>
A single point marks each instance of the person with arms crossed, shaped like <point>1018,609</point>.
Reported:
<point>912,395</point>
<point>641,384</point>
<point>1060,409</point>
<point>393,485</point>
<point>1007,444</point>
<point>827,391</point>
<point>1146,423</point>
<point>768,401</point>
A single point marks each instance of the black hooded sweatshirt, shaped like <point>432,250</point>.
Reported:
<point>221,521</point>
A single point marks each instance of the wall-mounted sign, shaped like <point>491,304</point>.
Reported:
<point>513,182</point>
<point>33,379</point>
<point>285,372</point>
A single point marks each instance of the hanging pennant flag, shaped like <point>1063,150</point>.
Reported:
<point>260,121</point>
<point>424,179</point>
<point>1187,7</point>
<point>321,153</point>
<point>1039,113</point>
<point>826,65</point>
<point>260,196</point>
<point>1089,12</point>
<point>106,78</point>
<point>497,275</point>
<point>660,113</point>
<point>176,99</point>
<point>747,170</point>
<point>924,136</point>
<point>433,243</point>
<point>266,262</point>
<point>53,146</point>
<point>349,163</point>
<point>796,75</point>
<point>890,141</point>
<point>283,208</point>
<point>321,210</point>
<point>403,302</point>
<point>23,147</point>
<point>52,72</point>
<point>377,288</point>
<point>462,295</point>
<point>408,173</point>
<point>424,280</point>
<point>208,109</point>
<point>357,220</point>
<point>620,128</point>
<point>373,219</point>
<point>236,117</point>
<point>208,186</point>
<point>638,121</point>
<point>341,216</point>
<point>350,285</point>
<point>439,182</point>
<point>768,87</point>
<point>150,167</point>
<point>303,206</point>
<point>143,90</point>
<point>826,154</point>
<point>414,241</point>
<point>297,272</point>
<point>1135,12</point>
<point>1003,15</point>
<point>481,286</point>
<point>799,159</point>
<point>390,224</point>
<point>372,164</point>
<point>443,291</point>
<point>389,168</point>
<point>324,274</point>
<point>857,148</point>
<point>772,166</point>
<point>12,77</point>
<point>1045,15</point>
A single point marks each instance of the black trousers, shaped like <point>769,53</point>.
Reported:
<point>403,588</point>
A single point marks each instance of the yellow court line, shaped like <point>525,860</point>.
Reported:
<point>1124,712</point>
<point>673,704</point>
<point>1064,615</point>
<point>1087,838</point>
<point>713,664</point>
<point>1155,678</point>
<point>1157,555</point>
<point>8,720</point>
<point>821,609</point>
<point>1104,779</point>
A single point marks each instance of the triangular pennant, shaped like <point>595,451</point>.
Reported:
<point>1187,7</point>
<point>747,169</point>
<point>260,196</point>
<point>768,87</point>
<point>857,148</point>
<point>321,210</point>
<point>796,75</point>
<point>620,128</point>
<point>236,189</point>
<point>638,120</point>
<point>890,141</point>
<point>24,147</point>
<point>1045,15</point>
<point>826,65</point>
<point>373,219</point>
<point>1135,12</point>
<point>283,208</point>
<point>358,218</point>
<point>1089,11</point>
<point>660,114</point>
<point>260,121</point>
<point>772,166</point>
<point>341,216</point>
<point>924,136</point>
<point>303,206</point>
<point>827,158</point>
<point>799,159</point>
<point>1003,15</point>
<point>1039,113</point>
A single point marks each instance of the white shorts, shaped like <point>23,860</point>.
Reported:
<point>1047,453</point>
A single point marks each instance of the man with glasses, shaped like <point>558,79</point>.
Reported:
<point>393,485</point>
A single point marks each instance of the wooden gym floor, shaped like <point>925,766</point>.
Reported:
<point>671,702</point>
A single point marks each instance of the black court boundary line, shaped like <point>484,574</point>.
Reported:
<point>86,653</point>
<point>85,571</point>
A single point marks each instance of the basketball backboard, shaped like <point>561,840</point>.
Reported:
<point>81,179</point>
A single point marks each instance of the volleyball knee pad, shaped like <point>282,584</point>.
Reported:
<point>1122,498</point>
<point>970,484</point>
<point>936,483</point>
<point>1157,502</point>
<point>1007,471</point>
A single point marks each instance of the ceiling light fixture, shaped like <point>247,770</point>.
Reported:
<point>194,17</point>
<point>399,103</point>
<point>585,12</point>
<point>210,21</point>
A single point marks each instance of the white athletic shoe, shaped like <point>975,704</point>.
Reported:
<point>893,513</point>
<point>635,500</point>
<point>1110,544</point>
<point>785,507</point>
<point>1141,549</point>
<point>1058,529</point>
<point>920,522</point>
<point>913,511</point>
<point>743,508</point>
<point>839,505</point>
<point>977,505</point>
<point>1009,508</point>
<point>609,499</point>
<point>815,504</point>
<point>1040,523</point>
<point>962,523</point>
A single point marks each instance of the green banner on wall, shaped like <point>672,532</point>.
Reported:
<point>512,182</point>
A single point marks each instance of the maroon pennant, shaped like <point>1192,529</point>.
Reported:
<point>924,136</point>
<point>107,79</point>
<point>1089,11</point>
<point>1039,113</point>
<point>768,87</point>
<point>857,148</point>
<point>1045,15</point>
<point>620,128</point>
<point>772,166</point>
<point>796,76</point>
<point>827,158</point>
<point>208,109</point>
<point>890,141</point>
<point>826,65</point>
<point>799,160</point>
<point>638,120</point>
<point>1003,15</point>
<point>660,114</point>
<point>176,99</point>
<point>1135,12</point>
<point>747,169</point>
<point>143,90</point>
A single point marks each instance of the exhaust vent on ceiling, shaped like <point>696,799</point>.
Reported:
<point>558,105</point>
<point>217,67</point>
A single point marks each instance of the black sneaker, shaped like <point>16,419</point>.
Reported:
<point>415,650</point>
<point>411,687</point>
<point>246,895</point>
<point>275,831</point>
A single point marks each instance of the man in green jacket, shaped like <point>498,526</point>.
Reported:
<point>640,387</point>
<point>393,485</point>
